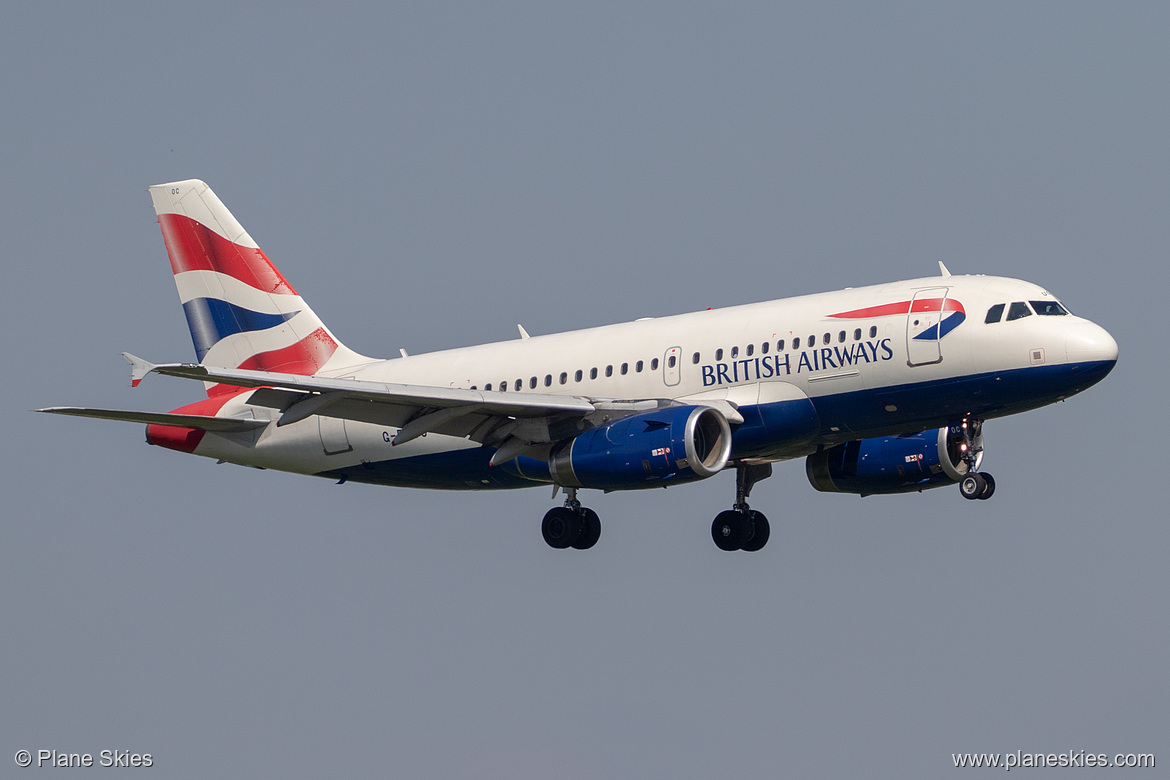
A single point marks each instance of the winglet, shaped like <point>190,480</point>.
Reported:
<point>943,269</point>
<point>139,368</point>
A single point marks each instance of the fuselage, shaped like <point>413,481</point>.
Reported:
<point>792,375</point>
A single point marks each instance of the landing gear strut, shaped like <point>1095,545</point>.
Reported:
<point>571,525</point>
<point>741,527</point>
<point>975,485</point>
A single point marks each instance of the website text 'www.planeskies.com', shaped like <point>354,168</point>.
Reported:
<point>1069,758</point>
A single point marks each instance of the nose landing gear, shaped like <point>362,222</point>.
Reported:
<point>975,485</point>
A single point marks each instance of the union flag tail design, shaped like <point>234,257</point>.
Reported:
<point>241,311</point>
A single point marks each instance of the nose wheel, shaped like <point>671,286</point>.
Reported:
<point>976,485</point>
<point>571,525</point>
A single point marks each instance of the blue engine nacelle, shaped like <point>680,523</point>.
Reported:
<point>651,449</point>
<point>893,464</point>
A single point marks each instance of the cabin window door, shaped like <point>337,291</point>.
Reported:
<point>923,345</point>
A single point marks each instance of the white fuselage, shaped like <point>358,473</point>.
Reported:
<point>866,375</point>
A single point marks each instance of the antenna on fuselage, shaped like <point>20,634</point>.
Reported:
<point>943,269</point>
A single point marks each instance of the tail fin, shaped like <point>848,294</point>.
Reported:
<point>241,311</point>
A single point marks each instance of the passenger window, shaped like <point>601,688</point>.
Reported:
<point>532,383</point>
<point>812,341</point>
<point>625,368</point>
<point>750,349</point>
<point>1018,310</point>
<point>873,331</point>
<point>796,343</point>
<point>780,345</point>
<point>670,362</point>
<point>519,385</point>
<point>593,373</point>
<point>995,313</point>
<point>638,367</point>
<point>564,377</point>
<point>577,376</point>
<point>828,339</point>
<point>654,364</point>
<point>504,386</point>
<point>857,334</point>
<point>734,352</point>
<point>695,358</point>
<point>764,347</point>
<point>488,386</point>
<point>609,370</point>
<point>718,354</point>
<point>1048,308</point>
<point>841,337</point>
<point>548,380</point>
<point>473,387</point>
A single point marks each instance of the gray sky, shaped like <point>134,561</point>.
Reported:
<point>427,178</point>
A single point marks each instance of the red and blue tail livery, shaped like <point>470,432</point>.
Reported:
<point>887,395</point>
<point>241,311</point>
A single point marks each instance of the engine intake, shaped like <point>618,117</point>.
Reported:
<point>893,464</point>
<point>651,449</point>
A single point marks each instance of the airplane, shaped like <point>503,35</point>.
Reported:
<point>881,389</point>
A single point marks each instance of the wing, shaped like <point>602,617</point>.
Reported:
<point>514,423</point>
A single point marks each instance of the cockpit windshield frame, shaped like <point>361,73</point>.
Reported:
<point>1048,308</point>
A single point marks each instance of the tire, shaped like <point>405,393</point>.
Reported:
<point>590,530</point>
<point>762,532</point>
<point>560,527</point>
<point>988,488</point>
<point>730,530</point>
<point>972,486</point>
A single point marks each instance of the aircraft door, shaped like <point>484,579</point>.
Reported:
<point>923,345</point>
<point>670,366</point>
<point>333,436</point>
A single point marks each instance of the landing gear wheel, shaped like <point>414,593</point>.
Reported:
<point>973,486</point>
<point>988,486</point>
<point>760,534</point>
<point>561,527</point>
<point>731,530</point>
<point>590,530</point>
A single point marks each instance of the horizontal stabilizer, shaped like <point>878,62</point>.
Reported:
<point>214,424</point>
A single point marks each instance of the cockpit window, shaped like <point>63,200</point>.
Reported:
<point>995,313</point>
<point>1048,308</point>
<point>1019,309</point>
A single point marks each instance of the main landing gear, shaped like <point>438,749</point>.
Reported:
<point>975,484</point>
<point>741,527</point>
<point>571,525</point>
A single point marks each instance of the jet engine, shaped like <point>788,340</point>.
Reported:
<point>650,449</point>
<point>894,464</point>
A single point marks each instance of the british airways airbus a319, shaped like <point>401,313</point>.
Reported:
<point>881,389</point>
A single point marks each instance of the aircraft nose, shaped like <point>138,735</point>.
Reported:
<point>1088,342</point>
